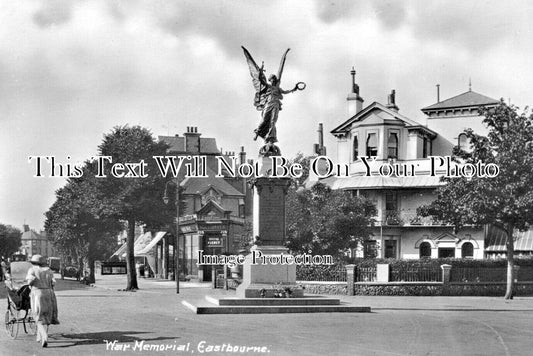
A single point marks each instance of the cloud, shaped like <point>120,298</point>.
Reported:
<point>330,11</point>
<point>54,12</point>
<point>87,66</point>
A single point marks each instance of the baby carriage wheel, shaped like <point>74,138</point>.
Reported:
<point>12,325</point>
<point>29,324</point>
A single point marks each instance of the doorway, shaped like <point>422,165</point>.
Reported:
<point>446,252</point>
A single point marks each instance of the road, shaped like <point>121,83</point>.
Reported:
<point>143,322</point>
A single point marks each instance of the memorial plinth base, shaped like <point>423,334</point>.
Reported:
<point>264,276</point>
<point>232,305</point>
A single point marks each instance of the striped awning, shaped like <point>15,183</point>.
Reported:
<point>378,182</point>
<point>147,249</point>
<point>497,239</point>
<point>121,252</point>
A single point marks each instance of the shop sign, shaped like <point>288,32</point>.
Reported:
<point>188,228</point>
<point>214,241</point>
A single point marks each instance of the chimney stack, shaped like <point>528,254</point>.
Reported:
<point>438,93</point>
<point>192,140</point>
<point>355,102</point>
<point>392,101</point>
<point>242,156</point>
<point>319,147</point>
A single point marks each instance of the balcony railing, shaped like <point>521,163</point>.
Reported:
<point>407,217</point>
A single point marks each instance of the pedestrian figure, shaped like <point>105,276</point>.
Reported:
<point>3,269</point>
<point>43,299</point>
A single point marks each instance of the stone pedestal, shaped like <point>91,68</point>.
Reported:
<point>264,273</point>
<point>263,277</point>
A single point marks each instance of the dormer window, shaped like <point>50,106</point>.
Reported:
<point>392,145</point>
<point>372,145</point>
<point>355,148</point>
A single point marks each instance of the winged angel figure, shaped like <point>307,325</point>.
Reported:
<point>267,99</point>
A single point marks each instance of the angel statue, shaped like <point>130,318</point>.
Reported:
<point>268,100</point>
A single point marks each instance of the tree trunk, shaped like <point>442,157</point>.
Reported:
<point>81,272</point>
<point>130,257</point>
<point>510,262</point>
<point>90,258</point>
<point>92,278</point>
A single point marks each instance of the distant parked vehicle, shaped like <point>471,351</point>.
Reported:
<point>54,263</point>
<point>70,272</point>
<point>18,257</point>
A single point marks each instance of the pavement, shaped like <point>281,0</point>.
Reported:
<point>104,320</point>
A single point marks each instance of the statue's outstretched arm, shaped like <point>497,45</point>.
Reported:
<point>298,86</point>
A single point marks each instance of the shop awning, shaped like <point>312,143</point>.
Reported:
<point>372,182</point>
<point>148,247</point>
<point>497,239</point>
<point>140,242</point>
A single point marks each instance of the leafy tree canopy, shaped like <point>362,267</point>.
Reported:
<point>9,240</point>
<point>80,222</point>
<point>138,199</point>
<point>325,221</point>
<point>506,199</point>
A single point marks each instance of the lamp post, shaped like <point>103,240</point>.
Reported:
<point>176,238</point>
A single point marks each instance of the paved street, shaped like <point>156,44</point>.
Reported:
<point>152,318</point>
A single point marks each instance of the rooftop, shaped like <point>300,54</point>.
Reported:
<point>467,99</point>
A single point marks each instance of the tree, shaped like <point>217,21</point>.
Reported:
<point>305,162</point>
<point>80,222</point>
<point>9,240</point>
<point>325,221</point>
<point>505,200</point>
<point>137,199</point>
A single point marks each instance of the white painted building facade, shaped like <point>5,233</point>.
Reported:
<point>379,130</point>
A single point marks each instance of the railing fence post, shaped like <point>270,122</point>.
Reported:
<point>350,279</point>
<point>446,269</point>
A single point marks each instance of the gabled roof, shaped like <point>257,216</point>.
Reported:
<point>208,145</point>
<point>195,185</point>
<point>377,106</point>
<point>32,235</point>
<point>210,206</point>
<point>467,99</point>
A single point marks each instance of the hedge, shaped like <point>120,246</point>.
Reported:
<point>436,262</point>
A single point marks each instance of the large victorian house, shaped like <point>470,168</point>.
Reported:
<point>380,131</point>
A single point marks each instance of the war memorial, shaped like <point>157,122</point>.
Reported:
<point>269,284</point>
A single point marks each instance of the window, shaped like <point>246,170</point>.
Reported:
<point>425,249</point>
<point>467,250</point>
<point>390,248</point>
<point>425,148</point>
<point>355,148</point>
<point>370,249</point>
<point>392,145</point>
<point>463,142</point>
<point>372,145</point>
<point>391,200</point>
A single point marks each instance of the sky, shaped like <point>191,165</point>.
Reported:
<point>72,70</point>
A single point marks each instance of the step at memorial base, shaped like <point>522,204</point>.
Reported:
<point>232,305</point>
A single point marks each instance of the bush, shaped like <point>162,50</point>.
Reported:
<point>336,272</point>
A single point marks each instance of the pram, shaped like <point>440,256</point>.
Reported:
<point>18,300</point>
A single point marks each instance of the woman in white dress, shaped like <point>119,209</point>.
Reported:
<point>43,299</point>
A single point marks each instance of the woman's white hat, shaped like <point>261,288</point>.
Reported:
<point>38,260</point>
